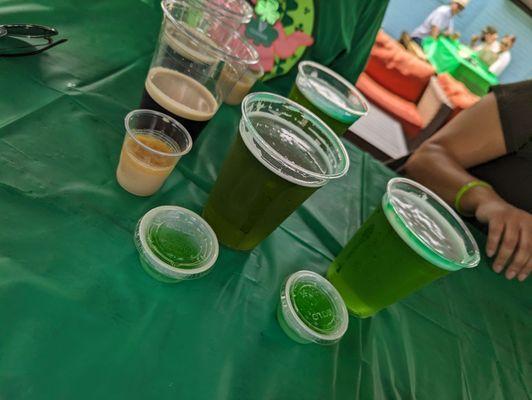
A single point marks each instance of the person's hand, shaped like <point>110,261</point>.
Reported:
<point>455,35</point>
<point>509,237</point>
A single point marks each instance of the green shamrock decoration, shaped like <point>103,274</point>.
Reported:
<point>260,32</point>
<point>268,10</point>
<point>290,5</point>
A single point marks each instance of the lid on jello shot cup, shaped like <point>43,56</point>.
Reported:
<point>429,226</point>
<point>313,308</point>
<point>175,244</point>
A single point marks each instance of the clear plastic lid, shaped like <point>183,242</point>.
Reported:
<point>208,35</point>
<point>176,242</point>
<point>291,141</point>
<point>314,308</point>
<point>330,92</point>
<point>429,226</point>
<point>239,11</point>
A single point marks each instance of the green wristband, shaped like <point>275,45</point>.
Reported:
<point>464,189</point>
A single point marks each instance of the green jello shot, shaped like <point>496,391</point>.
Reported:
<point>175,244</point>
<point>311,309</point>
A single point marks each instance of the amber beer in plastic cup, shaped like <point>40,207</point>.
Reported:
<point>283,154</point>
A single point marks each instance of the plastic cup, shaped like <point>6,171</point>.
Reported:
<point>412,240</point>
<point>233,12</point>
<point>311,309</point>
<point>283,154</point>
<point>175,244</point>
<point>242,86</point>
<point>336,101</point>
<point>153,145</point>
<point>186,79</point>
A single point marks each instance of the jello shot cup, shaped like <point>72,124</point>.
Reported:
<point>175,244</point>
<point>153,144</point>
<point>311,310</point>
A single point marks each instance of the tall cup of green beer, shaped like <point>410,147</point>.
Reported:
<point>283,154</point>
<point>329,96</point>
<point>412,239</point>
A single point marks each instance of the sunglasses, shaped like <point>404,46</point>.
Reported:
<point>9,35</point>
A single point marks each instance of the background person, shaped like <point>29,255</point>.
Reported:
<point>481,162</point>
<point>505,57</point>
<point>486,40</point>
<point>488,48</point>
<point>441,20</point>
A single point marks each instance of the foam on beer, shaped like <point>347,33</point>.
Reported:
<point>427,224</point>
<point>180,94</point>
<point>330,100</point>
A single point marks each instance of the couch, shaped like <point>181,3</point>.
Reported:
<point>458,94</point>
<point>395,80</point>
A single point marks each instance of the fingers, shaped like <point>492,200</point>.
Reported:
<point>506,249</point>
<point>525,271</point>
<point>494,237</point>
<point>521,256</point>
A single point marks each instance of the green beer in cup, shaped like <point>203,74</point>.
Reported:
<point>411,240</point>
<point>283,154</point>
<point>329,96</point>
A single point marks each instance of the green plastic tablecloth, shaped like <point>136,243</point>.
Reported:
<point>80,319</point>
<point>444,54</point>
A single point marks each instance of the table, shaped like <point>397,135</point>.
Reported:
<point>447,55</point>
<point>80,319</point>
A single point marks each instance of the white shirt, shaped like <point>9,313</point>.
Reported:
<point>495,47</point>
<point>442,18</point>
<point>502,62</point>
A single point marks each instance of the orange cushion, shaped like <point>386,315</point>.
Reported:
<point>397,70</point>
<point>404,111</point>
<point>458,94</point>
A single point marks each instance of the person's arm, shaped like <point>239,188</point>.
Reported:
<point>437,21</point>
<point>475,136</point>
<point>450,30</point>
<point>434,31</point>
<point>500,65</point>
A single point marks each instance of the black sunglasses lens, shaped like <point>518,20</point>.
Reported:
<point>30,30</point>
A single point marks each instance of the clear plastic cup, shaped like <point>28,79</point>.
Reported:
<point>283,154</point>
<point>175,244</point>
<point>311,309</point>
<point>413,239</point>
<point>153,144</point>
<point>243,85</point>
<point>186,79</point>
<point>233,12</point>
<point>332,98</point>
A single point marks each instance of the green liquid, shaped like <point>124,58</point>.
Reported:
<point>249,201</point>
<point>339,127</point>
<point>377,268</point>
<point>173,247</point>
<point>314,306</point>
